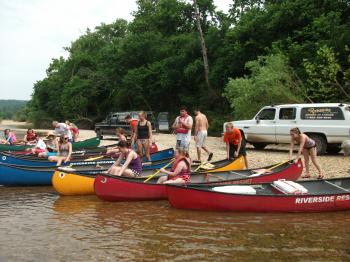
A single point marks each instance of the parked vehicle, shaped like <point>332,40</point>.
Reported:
<point>115,120</point>
<point>328,124</point>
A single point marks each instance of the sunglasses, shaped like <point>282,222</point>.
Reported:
<point>66,138</point>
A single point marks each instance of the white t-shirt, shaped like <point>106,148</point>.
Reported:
<point>182,136</point>
<point>62,129</point>
<point>41,144</point>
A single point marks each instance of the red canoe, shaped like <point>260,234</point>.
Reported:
<point>322,195</point>
<point>113,188</point>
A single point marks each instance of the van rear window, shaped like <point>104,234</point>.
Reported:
<point>322,113</point>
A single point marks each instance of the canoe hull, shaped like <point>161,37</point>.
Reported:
<point>10,176</point>
<point>186,198</point>
<point>127,189</point>
<point>72,184</point>
<point>88,143</point>
<point>114,189</point>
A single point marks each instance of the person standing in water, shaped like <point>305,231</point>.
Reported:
<point>307,147</point>
<point>182,128</point>
<point>201,134</point>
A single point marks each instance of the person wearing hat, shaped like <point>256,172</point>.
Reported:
<point>51,146</point>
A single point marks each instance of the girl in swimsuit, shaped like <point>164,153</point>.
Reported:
<point>132,166</point>
<point>307,147</point>
<point>143,135</point>
<point>64,151</point>
<point>180,171</point>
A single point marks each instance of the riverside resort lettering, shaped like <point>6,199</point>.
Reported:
<point>321,199</point>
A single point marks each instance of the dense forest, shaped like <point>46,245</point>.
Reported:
<point>10,108</point>
<point>261,52</point>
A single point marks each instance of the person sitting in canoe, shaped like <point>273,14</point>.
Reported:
<point>307,147</point>
<point>132,166</point>
<point>180,171</point>
<point>51,146</point>
<point>64,151</point>
<point>74,129</point>
<point>40,146</point>
<point>120,133</point>
<point>10,137</point>
<point>30,137</point>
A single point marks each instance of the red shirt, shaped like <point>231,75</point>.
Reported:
<point>233,138</point>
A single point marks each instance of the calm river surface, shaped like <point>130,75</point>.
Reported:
<point>38,225</point>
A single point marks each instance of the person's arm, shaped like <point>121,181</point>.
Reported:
<point>301,147</point>
<point>177,170</point>
<point>150,131</point>
<point>196,126</point>
<point>238,148</point>
<point>228,150</point>
<point>57,147</point>
<point>188,125</point>
<point>176,123</point>
<point>69,153</point>
<point>116,163</point>
<point>291,147</point>
<point>126,163</point>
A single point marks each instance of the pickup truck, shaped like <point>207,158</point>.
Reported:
<point>117,119</point>
<point>326,123</point>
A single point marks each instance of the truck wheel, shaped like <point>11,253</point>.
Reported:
<point>333,148</point>
<point>259,145</point>
<point>321,143</point>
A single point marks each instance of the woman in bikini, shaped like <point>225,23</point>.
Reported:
<point>64,151</point>
<point>180,171</point>
<point>307,147</point>
<point>132,166</point>
<point>143,136</point>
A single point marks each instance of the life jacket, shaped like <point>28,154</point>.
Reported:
<point>31,136</point>
<point>181,129</point>
<point>177,161</point>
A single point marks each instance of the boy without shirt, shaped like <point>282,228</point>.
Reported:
<point>201,134</point>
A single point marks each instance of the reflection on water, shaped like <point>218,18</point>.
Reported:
<point>37,224</point>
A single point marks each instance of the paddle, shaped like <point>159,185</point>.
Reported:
<point>157,172</point>
<point>280,164</point>
<point>93,158</point>
<point>200,166</point>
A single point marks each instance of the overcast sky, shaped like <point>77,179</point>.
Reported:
<point>35,31</point>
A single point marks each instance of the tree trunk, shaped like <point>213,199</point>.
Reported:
<point>204,50</point>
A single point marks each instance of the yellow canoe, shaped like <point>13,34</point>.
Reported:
<point>222,166</point>
<point>70,184</point>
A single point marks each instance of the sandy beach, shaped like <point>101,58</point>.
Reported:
<point>333,165</point>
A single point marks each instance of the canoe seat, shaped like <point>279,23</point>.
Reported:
<point>235,189</point>
<point>289,187</point>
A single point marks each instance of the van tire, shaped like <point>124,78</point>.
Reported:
<point>321,143</point>
<point>259,146</point>
<point>99,135</point>
<point>333,148</point>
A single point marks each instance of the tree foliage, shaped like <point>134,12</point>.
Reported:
<point>155,61</point>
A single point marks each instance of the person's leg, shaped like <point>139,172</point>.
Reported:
<point>162,179</point>
<point>53,158</point>
<point>146,146</point>
<point>59,160</point>
<point>306,162</point>
<point>128,172</point>
<point>246,161</point>
<point>313,155</point>
<point>199,153</point>
<point>232,151</point>
<point>115,170</point>
<point>178,181</point>
<point>178,144</point>
<point>139,149</point>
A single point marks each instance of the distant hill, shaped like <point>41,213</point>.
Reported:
<point>9,107</point>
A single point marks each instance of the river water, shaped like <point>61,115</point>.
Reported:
<point>36,224</point>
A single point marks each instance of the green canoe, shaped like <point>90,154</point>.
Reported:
<point>88,143</point>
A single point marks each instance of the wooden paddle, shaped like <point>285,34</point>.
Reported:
<point>157,172</point>
<point>199,167</point>
<point>93,158</point>
<point>280,164</point>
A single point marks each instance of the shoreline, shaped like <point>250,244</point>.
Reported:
<point>333,165</point>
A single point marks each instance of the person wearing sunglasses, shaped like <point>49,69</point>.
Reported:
<point>64,151</point>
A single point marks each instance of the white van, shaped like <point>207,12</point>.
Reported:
<point>328,124</point>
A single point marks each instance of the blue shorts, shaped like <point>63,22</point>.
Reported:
<point>51,154</point>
